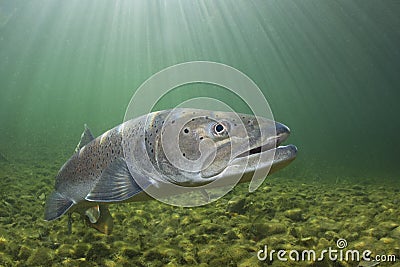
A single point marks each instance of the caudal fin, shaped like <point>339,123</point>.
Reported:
<point>56,206</point>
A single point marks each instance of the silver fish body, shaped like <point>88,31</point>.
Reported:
<point>183,147</point>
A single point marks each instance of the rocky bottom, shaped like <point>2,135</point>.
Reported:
<point>294,215</point>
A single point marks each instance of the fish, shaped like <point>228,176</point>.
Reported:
<point>159,151</point>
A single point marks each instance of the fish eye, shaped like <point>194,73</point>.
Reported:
<point>219,128</point>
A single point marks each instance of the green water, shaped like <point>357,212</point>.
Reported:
<point>329,69</point>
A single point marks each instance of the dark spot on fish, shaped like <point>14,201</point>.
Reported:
<point>186,130</point>
<point>152,151</point>
<point>184,154</point>
<point>201,137</point>
<point>173,121</point>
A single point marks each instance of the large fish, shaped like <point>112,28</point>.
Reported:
<point>151,153</point>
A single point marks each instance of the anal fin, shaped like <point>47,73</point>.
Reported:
<point>104,222</point>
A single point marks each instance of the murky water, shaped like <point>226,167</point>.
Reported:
<point>329,70</point>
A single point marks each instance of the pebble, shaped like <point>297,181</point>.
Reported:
<point>294,214</point>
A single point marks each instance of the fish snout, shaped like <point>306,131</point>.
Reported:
<point>282,132</point>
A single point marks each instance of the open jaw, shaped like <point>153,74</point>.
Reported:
<point>264,158</point>
<point>271,145</point>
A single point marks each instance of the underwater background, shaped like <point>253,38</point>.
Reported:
<point>329,70</point>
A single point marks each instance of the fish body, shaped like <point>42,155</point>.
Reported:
<point>155,152</point>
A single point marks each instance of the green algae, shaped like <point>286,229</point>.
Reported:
<point>41,257</point>
<point>228,232</point>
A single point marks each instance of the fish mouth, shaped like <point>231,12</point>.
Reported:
<point>264,156</point>
<point>271,143</point>
<point>270,154</point>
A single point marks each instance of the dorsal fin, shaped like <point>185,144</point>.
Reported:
<point>86,138</point>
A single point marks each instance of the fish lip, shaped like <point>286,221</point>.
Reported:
<point>269,144</point>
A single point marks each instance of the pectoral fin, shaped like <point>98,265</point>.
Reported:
<point>115,184</point>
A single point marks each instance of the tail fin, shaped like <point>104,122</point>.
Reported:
<point>56,206</point>
<point>99,218</point>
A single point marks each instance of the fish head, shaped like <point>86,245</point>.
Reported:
<point>197,147</point>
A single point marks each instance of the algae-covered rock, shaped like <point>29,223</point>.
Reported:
<point>249,262</point>
<point>211,228</point>
<point>294,214</point>
<point>3,243</point>
<point>237,253</point>
<point>185,244</point>
<point>309,241</point>
<point>161,254</point>
<point>364,243</point>
<point>24,253</point>
<point>189,258</point>
<point>389,226</point>
<point>376,232</point>
<point>81,250</point>
<point>387,240</point>
<point>98,251</point>
<point>65,250</point>
<point>40,257</point>
<point>231,235</point>
<point>262,230</point>
<point>323,243</point>
<point>237,205</point>
<point>297,231</point>
<point>131,252</point>
<point>208,253</point>
<point>76,262</point>
<point>395,233</point>
<point>331,235</point>
<point>5,260</point>
<point>273,228</point>
<point>320,224</point>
